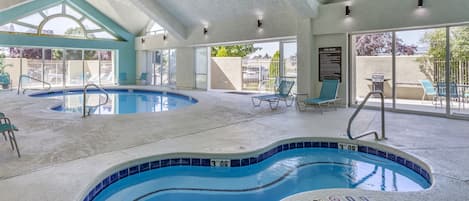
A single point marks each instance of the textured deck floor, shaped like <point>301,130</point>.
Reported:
<point>63,153</point>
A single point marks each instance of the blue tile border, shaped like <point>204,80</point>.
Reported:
<point>188,161</point>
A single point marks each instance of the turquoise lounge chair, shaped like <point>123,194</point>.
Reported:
<point>327,96</point>
<point>282,94</point>
<point>8,129</point>
<point>143,78</point>
<point>429,90</point>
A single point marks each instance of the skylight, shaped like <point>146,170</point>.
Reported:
<point>154,28</point>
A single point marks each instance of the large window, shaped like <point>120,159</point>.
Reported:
<point>60,20</point>
<point>424,70</point>
<point>59,67</point>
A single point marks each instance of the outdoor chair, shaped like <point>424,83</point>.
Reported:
<point>453,92</point>
<point>143,78</point>
<point>8,131</point>
<point>429,90</point>
<point>282,93</point>
<point>328,96</point>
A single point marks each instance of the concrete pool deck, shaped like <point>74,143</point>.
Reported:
<point>62,154</point>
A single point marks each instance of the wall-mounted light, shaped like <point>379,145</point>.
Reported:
<point>420,3</point>
<point>259,23</point>
<point>142,40</point>
<point>205,30</point>
<point>347,11</point>
<point>165,36</point>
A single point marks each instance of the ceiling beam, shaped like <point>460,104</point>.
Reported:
<point>305,8</point>
<point>161,16</point>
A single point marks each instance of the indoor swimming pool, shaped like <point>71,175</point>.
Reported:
<point>121,101</point>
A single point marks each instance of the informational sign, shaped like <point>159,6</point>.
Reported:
<point>330,63</point>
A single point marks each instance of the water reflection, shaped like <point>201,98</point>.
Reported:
<point>121,102</point>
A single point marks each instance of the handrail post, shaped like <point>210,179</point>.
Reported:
<point>20,83</point>
<point>360,107</point>
<point>84,97</point>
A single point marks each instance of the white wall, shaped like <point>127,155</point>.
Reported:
<point>185,62</point>
<point>304,50</point>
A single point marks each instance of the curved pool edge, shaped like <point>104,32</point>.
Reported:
<point>51,107</point>
<point>113,173</point>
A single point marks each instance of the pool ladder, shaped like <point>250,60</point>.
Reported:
<point>88,112</point>
<point>20,83</point>
<point>372,132</point>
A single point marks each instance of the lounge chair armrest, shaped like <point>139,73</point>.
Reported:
<point>5,120</point>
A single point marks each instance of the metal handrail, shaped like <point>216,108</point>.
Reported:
<point>84,97</point>
<point>20,83</point>
<point>360,107</point>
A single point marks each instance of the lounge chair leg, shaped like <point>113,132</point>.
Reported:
<point>254,102</point>
<point>4,136</point>
<point>291,102</point>
<point>276,105</point>
<point>11,140</point>
<point>14,144</point>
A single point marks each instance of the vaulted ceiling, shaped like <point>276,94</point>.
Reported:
<point>131,14</point>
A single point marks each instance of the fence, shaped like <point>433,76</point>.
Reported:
<point>260,74</point>
<point>459,71</point>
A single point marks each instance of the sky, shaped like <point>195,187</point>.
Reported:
<point>271,47</point>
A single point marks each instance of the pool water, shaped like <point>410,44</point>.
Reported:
<point>281,175</point>
<point>120,101</point>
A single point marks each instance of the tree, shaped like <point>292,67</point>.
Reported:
<point>76,31</point>
<point>222,52</point>
<point>381,43</point>
<point>434,60</point>
<point>274,65</point>
<point>233,51</point>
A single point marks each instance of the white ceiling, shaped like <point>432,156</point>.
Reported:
<point>199,12</point>
<point>190,13</point>
<point>124,13</point>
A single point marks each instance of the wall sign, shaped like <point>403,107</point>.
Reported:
<point>330,63</point>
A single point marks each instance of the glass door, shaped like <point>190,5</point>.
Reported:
<point>201,68</point>
<point>91,67</point>
<point>54,67</point>
<point>106,67</point>
<point>157,65</point>
<point>372,61</point>
<point>289,62</point>
<point>32,66</point>
<point>74,68</point>
<point>459,70</point>
<point>172,68</point>
<point>420,70</point>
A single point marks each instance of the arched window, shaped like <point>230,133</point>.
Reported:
<point>63,26</point>
<point>60,20</point>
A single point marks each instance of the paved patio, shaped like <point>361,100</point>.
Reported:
<point>63,153</point>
